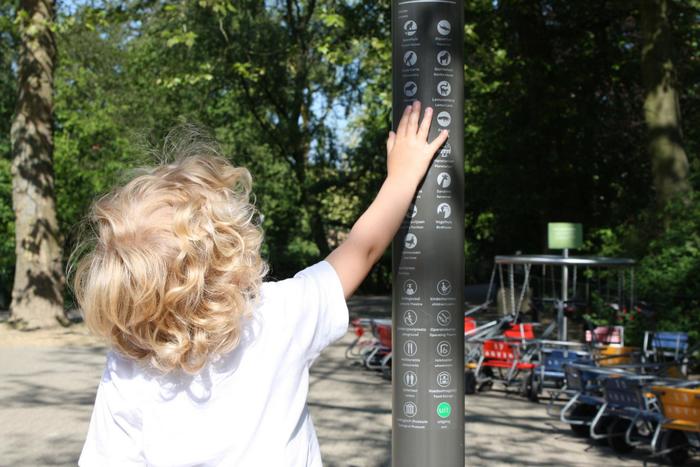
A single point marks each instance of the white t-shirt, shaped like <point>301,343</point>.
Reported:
<point>246,409</point>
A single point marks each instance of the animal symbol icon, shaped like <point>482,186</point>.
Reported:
<point>444,58</point>
<point>444,180</point>
<point>444,88</point>
<point>410,27</point>
<point>410,89</point>
<point>410,241</point>
<point>444,210</point>
<point>410,58</point>
<point>444,118</point>
<point>444,27</point>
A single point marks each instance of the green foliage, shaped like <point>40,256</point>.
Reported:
<point>553,125</point>
<point>603,313</point>
<point>262,80</point>
<point>553,112</point>
<point>8,93</point>
<point>7,235</point>
<point>98,107</point>
<point>668,273</point>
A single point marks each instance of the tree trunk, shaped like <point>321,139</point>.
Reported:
<point>37,295</point>
<point>661,105</point>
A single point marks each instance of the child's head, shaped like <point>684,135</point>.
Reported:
<point>176,264</point>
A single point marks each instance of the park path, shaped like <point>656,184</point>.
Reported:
<point>47,391</point>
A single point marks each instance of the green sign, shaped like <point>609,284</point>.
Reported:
<point>562,235</point>
<point>444,409</point>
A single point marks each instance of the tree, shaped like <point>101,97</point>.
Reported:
<point>662,103</point>
<point>553,121</point>
<point>37,295</point>
<point>265,77</point>
<point>297,65</point>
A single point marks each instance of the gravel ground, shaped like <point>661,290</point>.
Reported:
<point>48,382</point>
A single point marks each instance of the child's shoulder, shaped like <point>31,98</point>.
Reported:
<point>304,290</point>
<point>321,273</point>
<point>121,368</point>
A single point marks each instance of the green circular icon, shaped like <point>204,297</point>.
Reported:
<point>444,409</point>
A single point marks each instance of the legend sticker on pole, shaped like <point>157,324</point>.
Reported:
<point>428,251</point>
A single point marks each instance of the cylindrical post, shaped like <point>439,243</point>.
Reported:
<point>428,251</point>
<point>562,325</point>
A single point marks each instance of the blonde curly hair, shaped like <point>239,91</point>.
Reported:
<point>176,265</point>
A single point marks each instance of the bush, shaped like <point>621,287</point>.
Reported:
<point>668,266</point>
<point>668,273</point>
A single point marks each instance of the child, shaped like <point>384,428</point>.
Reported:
<point>210,365</point>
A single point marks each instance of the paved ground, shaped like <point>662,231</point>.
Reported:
<point>47,388</point>
<point>500,429</point>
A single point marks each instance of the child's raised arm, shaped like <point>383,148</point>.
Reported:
<point>408,158</point>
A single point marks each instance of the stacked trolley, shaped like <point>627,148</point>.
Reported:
<point>372,344</point>
<point>526,356</point>
<point>641,402</point>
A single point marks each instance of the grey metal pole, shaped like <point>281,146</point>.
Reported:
<point>564,298</point>
<point>428,251</point>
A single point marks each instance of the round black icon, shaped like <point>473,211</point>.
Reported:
<point>446,149</point>
<point>410,287</point>
<point>444,27</point>
<point>410,58</point>
<point>410,318</point>
<point>444,88</point>
<point>444,210</point>
<point>444,318</point>
<point>410,89</point>
<point>443,349</point>
<point>444,58</point>
<point>443,118</point>
<point>410,241</point>
<point>410,409</point>
<point>410,27</point>
<point>410,378</point>
<point>444,180</point>
<point>444,379</point>
<point>444,287</point>
<point>410,348</point>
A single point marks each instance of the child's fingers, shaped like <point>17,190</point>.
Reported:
<point>413,119</point>
<point>390,142</point>
<point>403,123</point>
<point>425,124</point>
<point>437,142</point>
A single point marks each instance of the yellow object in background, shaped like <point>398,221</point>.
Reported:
<point>681,406</point>
<point>616,355</point>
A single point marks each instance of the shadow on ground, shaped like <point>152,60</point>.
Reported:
<point>47,395</point>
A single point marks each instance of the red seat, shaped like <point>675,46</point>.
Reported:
<point>500,354</point>
<point>384,335</point>
<point>357,325</point>
<point>502,364</point>
<point>520,331</point>
<point>469,324</point>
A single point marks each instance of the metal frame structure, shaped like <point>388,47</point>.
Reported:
<point>567,264</point>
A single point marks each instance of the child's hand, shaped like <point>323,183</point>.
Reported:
<point>408,151</point>
<point>408,158</point>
